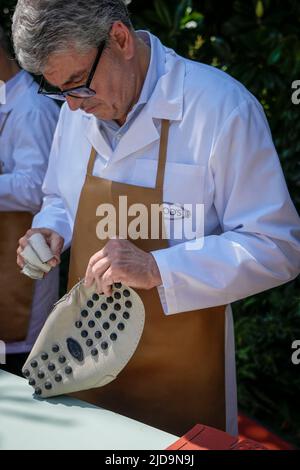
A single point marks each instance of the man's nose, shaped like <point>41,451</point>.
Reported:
<point>74,103</point>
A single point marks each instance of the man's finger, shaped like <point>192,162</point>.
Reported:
<point>20,261</point>
<point>95,271</point>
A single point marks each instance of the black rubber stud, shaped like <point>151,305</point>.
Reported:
<point>68,370</point>
<point>61,359</point>
<point>126,315</point>
<point>32,382</point>
<point>26,373</point>
<point>58,378</point>
<point>78,324</point>
<point>55,348</point>
<point>48,385</point>
<point>95,297</point>
<point>38,391</point>
<point>41,374</point>
<point>104,345</point>
<point>51,366</point>
<point>44,356</point>
<point>94,352</point>
<point>34,364</point>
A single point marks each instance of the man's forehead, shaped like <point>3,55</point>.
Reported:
<point>65,67</point>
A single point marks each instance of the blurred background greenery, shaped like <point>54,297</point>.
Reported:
<point>258,42</point>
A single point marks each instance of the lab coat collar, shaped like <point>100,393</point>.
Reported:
<point>15,93</point>
<point>166,102</point>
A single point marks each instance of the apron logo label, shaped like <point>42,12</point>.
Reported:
<point>166,221</point>
<point>175,211</point>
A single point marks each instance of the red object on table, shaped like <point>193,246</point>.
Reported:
<point>202,437</point>
<point>252,436</point>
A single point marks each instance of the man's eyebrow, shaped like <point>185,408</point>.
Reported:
<point>74,76</point>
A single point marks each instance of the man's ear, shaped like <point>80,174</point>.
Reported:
<point>122,38</point>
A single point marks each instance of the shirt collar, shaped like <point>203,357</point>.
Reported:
<point>14,89</point>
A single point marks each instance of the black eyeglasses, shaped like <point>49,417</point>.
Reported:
<point>83,91</point>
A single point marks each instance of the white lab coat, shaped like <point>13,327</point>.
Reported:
<point>27,125</point>
<point>220,154</point>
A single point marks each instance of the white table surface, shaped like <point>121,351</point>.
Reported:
<point>66,423</point>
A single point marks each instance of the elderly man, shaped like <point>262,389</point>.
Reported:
<point>27,124</point>
<point>144,124</point>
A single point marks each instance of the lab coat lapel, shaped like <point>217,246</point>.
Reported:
<point>141,133</point>
<point>95,137</point>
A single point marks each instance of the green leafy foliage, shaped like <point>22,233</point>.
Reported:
<point>258,42</point>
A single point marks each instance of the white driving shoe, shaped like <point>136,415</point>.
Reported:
<point>86,341</point>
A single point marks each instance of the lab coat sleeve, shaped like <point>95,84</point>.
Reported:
<point>21,190</point>
<point>53,214</point>
<point>250,192</point>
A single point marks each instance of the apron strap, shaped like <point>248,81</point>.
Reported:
<point>165,126</point>
<point>91,163</point>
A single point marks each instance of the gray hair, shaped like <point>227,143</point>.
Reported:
<point>43,27</point>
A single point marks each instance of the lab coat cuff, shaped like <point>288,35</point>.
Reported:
<point>167,290</point>
<point>59,227</point>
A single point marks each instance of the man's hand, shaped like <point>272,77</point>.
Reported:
<point>122,261</point>
<point>53,240</point>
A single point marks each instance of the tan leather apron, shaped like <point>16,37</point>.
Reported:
<point>176,378</point>
<point>16,289</point>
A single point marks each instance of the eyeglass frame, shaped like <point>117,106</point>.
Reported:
<point>68,92</point>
